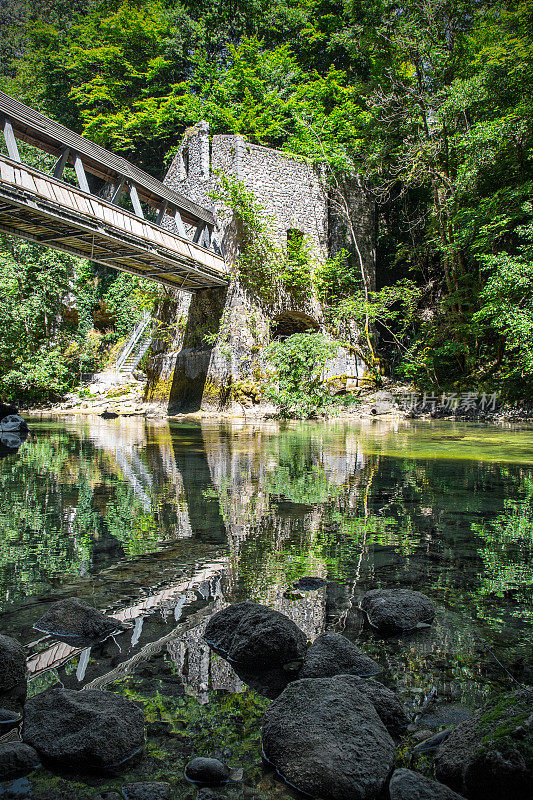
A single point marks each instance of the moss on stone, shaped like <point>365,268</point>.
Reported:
<point>508,725</point>
<point>159,390</point>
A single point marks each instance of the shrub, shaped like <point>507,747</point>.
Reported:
<point>297,381</point>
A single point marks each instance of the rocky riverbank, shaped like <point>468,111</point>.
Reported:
<point>125,398</point>
<point>317,713</point>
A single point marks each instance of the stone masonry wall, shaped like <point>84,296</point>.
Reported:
<point>195,371</point>
<point>287,187</point>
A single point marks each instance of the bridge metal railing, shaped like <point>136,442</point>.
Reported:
<point>87,220</point>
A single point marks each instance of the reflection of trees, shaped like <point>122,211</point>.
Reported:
<point>38,509</point>
<point>507,554</point>
<point>306,500</point>
<point>67,507</point>
<point>285,501</point>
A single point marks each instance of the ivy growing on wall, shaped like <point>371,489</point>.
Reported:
<point>265,270</point>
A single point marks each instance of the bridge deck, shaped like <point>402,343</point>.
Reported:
<point>88,220</point>
<point>40,208</point>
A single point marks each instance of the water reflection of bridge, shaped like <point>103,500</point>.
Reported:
<point>226,489</point>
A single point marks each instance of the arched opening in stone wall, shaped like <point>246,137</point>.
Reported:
<point>290,322</point>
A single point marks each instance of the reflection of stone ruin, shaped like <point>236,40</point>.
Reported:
<point>217,495</point>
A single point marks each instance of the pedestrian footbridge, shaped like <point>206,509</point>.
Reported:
<point>114,213</point>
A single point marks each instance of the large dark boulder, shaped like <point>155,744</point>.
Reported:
<point>397,610</point>
<point>76,622</point>
<point>12,664</point>
<point>13,677</point>
<point>334,654</point>
<point>325,738</point>
<point>89,729</point>
<point>388,707</point>
<point>408,785</point>
<point>309,583</point>
<point>17,759</point>
<point>255,637</point>
<point>490,757</point>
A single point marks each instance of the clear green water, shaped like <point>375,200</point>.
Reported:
<point>164,524</point>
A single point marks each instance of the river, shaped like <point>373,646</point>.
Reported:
<point>162,524</point>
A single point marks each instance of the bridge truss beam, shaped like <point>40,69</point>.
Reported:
<point>42,209</point>
<point>45,209</point>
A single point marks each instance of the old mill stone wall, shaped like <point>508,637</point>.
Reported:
<point>208,354</point>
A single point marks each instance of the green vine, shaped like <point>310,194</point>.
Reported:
<point>265,270</point>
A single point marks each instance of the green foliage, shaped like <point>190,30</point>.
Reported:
<point>264,269</point>
<point>34,285</point>
<point>257,260</point>
<point>507,311</point>
<point>47,319</point>
<point>393,306</point>
<point>297,384</point>
<point>335,279</point>
<point>133,75</point>
<point>430,104</point>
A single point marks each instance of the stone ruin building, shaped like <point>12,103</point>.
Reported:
<point>211,356</point>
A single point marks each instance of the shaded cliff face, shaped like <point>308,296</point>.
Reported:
<point>212,354</point>
<point>213,358</point>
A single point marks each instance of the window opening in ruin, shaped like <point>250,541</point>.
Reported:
<point>290,322</point>
<point>294,237</point>
<point>185,161</point>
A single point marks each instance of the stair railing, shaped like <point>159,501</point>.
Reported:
<point>132,341</point>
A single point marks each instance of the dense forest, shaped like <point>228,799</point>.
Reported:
<point>430,102</point>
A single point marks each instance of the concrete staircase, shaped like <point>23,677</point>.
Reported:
<point>136,346</point>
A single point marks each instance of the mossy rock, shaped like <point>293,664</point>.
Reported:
<point>490,757</point>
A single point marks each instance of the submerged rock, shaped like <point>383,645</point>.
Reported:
<point>309,583</point>
<point>207,771</point>
<point>266,682</point>
<point>109,414</point>
<point>408,785</point>
<point>397,610</point>
<point>325,738</point>
<point>17,759</point>
<point>89,729</point>
<point>444,714</point>
<point>490,757</point>
<point>146,791</point>
<point>255,637</point>
<point>334,654</point>
<point>75,622</point>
